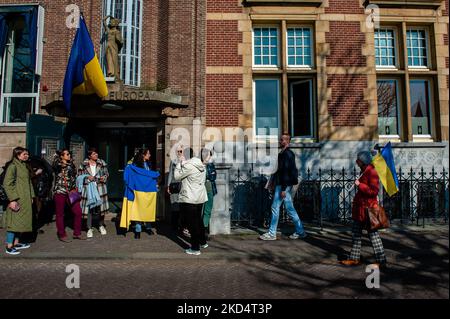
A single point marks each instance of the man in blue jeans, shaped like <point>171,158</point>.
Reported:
<point>285,177</point>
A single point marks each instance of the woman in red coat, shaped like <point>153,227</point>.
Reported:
<point>366,196</point>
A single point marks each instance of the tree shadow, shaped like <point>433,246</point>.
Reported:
<point>417,265</point>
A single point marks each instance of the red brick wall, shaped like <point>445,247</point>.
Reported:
<point>223,105</point>
<point>222,43</point>
<point>167,42</point>
<point>347,105</point>
<point>162,45</point>
<point>149,46</point>
<point>346,41</point>
<point>344,6</point>
<point>59,38</point>
<point>180,45</point>
<point>225,6</point>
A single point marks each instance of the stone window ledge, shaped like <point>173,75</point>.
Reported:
<point>315,3</point>
<point>415,145</point>
<point>405,3</point>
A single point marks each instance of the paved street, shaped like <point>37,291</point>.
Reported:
<point>237,266</point>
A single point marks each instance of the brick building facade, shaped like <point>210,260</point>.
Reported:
<point>340,76</point>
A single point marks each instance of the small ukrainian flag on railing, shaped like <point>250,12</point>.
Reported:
<point>84,74</point>
<point>385,167</point>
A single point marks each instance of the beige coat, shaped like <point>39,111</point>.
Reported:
<point>192,174</point>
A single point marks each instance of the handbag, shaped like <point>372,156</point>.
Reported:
<point>74,197</point>
<point>174,188</point>
<point>376,218</point>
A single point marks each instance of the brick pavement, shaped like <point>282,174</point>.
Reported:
<point>238,266</point>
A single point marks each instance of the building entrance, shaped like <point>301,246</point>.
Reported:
<point>117,146</point>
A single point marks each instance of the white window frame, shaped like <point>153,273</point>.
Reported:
<point>399,119</point>
<point>311,105</point>
<point>125,56</point>
<point>312,44</point>
<point>266,66</point>
<point>430,103</point>
<point>38,71</point>
<point>396,50</point>
<point>427,46</point>
<point>255,133</point>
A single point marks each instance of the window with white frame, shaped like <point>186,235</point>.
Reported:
<point>420,106</point>
<point>266,93</point>
<point>416,43</point>
<point>265,46</point>
<point>129,12</point>
<point>388,107</point>
<point>299,47</point>
<point>301,107</point>
<point>385,48</point>
<point>21,35</point>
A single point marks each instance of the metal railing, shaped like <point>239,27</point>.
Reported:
<point>327,195</point>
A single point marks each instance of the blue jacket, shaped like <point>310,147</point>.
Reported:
<point>92,195</point>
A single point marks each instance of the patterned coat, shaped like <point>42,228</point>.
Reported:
<point>367,194</point>
<point>101,172</point>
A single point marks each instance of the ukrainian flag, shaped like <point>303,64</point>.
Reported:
<point>84,74</point>
<point>139,202</point>
<point>385,167</point>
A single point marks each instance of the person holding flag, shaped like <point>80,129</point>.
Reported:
<point>83,74</point>
<point>139,202</point>
<point>366,196</point>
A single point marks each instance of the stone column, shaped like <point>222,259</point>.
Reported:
<point>220,223</point>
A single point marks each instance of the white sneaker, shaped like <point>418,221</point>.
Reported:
<point>90,233</point>
<point>192,252</point>
<point>204,246</point>
<point>102,230</point>
<point>297,236</point>
<point>267,236</point>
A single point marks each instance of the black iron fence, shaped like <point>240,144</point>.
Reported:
<point>327,195</point>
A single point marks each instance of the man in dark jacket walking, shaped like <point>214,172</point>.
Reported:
<point>285,177</point>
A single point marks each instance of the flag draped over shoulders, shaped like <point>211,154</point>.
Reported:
<point>139,202</point>
<point>83,74</point>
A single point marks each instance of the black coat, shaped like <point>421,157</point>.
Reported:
<point>287,173</point>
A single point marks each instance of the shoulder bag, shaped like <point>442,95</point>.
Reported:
<point>376,218</point>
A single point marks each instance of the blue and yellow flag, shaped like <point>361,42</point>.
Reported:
<point>84,74</point>
<point>139,202</point>
<point>385,167</point>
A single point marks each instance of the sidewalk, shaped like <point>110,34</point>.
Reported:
<point>237,266</point>
<point>321,246</point>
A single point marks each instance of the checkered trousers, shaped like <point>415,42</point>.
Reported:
<point>375,239</point>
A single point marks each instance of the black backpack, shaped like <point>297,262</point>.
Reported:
<point>3,196</point>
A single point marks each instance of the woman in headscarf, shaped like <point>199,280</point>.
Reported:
<point>368,186</point>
